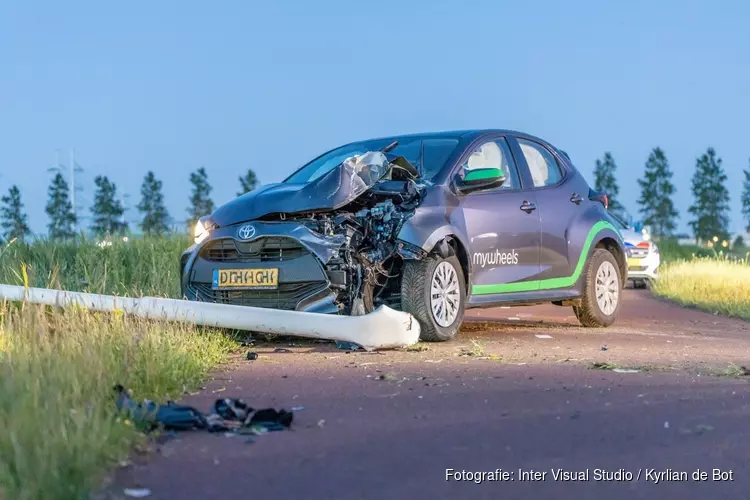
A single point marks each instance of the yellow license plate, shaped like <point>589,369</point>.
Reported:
<point>634,262</point>
<point>248,279</point>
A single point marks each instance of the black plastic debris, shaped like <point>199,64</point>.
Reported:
<point>604,347</point>
<point>229,415</point>
<point>272,418</point>
<point>347,346</point>
<point>171,416</point>
<point>252,356</point>
<point>232,409</point>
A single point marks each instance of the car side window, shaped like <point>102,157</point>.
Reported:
<point>494,154</point>
<point>545,171</point>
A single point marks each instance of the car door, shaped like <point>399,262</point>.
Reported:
<point>502,225</point>
<point>561,197</point>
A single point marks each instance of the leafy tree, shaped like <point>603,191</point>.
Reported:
<point>710,208</point>
<point>656,195</point>
<point>200,199</point>
<point>155,214</point>
<point>249,181</point>
<point>739,242</point>
<point>107,211</point>
<point>604,180</point>
<point>12,219</point>
<point>746,199</point>
<point>62,219</point>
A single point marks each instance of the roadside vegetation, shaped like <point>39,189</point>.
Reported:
<point>719,284</point>
<point>671,251</point>
<point>137,267</point>
<point>61,432</point>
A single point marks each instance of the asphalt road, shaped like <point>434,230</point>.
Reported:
<point>389,425</point>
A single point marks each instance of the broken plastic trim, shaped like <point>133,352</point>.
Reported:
<point>384,328</point>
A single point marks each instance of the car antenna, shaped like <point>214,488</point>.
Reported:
<point>389,147</point>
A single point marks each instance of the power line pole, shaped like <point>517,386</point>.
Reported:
<point>73,185</point>
<point>124,197</point>
<point>73,188</point>
<point>74,167</point>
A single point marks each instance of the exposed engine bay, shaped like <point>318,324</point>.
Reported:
<point>365,267</point>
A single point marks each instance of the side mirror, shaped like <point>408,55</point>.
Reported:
<point>480,178</point>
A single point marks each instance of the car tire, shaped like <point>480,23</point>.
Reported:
<point>602,278</point>
<point>416,296</point>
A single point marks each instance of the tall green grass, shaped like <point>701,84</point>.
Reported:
<point>148,266</point>
<point>718,284</point>
<point>671,251</point>
<point>60,431</point>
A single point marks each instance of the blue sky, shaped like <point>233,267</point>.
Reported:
<point>170,86</point>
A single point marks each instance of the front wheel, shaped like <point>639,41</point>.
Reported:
<point>602,291</point>
<point>433,290</point>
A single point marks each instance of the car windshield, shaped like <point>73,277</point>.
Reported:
<point>427,154</point>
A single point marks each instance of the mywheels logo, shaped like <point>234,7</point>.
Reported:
<point>496,258</point>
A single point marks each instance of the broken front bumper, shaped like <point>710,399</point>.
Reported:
<point>290,249</point>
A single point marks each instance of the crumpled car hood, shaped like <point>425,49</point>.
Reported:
<point>331,191</point>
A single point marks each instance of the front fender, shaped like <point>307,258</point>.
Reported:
<point>425,238</point>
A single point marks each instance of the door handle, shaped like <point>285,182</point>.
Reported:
<point>576,198</point>
<point>528,207</point>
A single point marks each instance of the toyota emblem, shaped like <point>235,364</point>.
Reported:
<point>246,232</point>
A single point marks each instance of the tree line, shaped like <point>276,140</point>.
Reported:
<point>107,211</point>
<point>710,208</point>
<point>709,211</point>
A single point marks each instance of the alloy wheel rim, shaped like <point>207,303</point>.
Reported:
<point>445,294</point>
<point>607,288</point>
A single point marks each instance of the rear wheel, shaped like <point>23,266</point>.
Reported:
<point>433,290</point>
<point>602,291</point>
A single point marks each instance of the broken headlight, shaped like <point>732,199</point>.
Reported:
<point>201,230</point>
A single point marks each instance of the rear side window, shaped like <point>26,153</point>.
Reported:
<point>545,171</point>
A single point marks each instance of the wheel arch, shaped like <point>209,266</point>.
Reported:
<point>449,245</point>
<point>612,245</point>
<point>445,240</point>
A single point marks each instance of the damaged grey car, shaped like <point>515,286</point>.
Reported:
<point>429,224</point>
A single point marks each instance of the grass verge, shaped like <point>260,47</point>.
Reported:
<point>718,285</point>
<point>141,266</point>
<point>61,433</point>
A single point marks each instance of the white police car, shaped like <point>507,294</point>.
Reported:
<point>642,253</point>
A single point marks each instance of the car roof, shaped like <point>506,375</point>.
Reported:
<point>468,135</point>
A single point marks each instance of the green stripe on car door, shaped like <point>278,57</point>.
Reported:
<point>551,283</point>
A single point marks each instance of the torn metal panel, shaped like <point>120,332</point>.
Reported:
<point>382,329</point>
<point>331,191</point>
<point>348,218</point>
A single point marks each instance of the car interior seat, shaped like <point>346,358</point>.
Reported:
<point>537,165</point>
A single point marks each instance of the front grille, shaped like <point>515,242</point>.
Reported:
<point>286,297</point>
<point>638,253</point>
<point>271,249</point>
